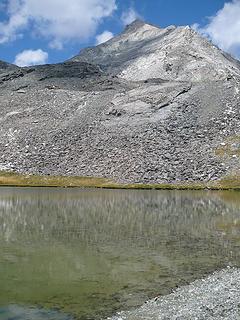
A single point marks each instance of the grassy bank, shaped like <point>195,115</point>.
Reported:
<point>21,180</point>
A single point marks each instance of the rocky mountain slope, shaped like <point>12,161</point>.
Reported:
<point>144,51</point>
<point>150,105</point>
<point>4,67</point>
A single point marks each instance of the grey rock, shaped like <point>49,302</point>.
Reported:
<point>145,51</point>
<point>5,67</point>
<point>149,106</point>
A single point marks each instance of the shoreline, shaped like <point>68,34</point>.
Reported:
<point>11,179</point>
<point>215,297</point>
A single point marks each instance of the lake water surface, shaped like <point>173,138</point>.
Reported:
<point>86,254</point>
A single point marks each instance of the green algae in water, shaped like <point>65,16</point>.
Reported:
<point>90,253</point>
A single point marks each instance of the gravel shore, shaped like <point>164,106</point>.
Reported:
<point>215,297</point>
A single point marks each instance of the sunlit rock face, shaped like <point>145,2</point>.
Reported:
<point>151,105</point>
<point>144,51</point>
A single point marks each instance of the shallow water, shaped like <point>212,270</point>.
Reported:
<point>15,312</point>
<point>85,254</point>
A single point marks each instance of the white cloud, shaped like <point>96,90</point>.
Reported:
<point>59,21</point>
<point>224,28</point>
<point>103,37</point>
<point>31,57</point>
<point>129,16</point>
<point>195,26</point>
<point>56,44</point>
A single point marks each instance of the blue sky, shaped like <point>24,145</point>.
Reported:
<point>40,31</point>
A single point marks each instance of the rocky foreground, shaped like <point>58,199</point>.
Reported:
<point>149,106</point>
<point>214,298</point>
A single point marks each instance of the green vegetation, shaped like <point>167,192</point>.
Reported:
<point>230,182</point>
<point>24,180</point>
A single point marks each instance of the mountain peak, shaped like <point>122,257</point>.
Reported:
<point>139,24</point>
<point>144,51</point>
<point>136,23</point>
<point>161,105</point>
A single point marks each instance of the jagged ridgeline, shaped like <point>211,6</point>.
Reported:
<point>149,106</point>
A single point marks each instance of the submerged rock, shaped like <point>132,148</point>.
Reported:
<point>31,313</point>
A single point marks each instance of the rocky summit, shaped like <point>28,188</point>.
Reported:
<point>149,106</point>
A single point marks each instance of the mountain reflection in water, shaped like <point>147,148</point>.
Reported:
<point>92,252</point>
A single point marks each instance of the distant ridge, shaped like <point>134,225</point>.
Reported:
<point>6,66</point>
